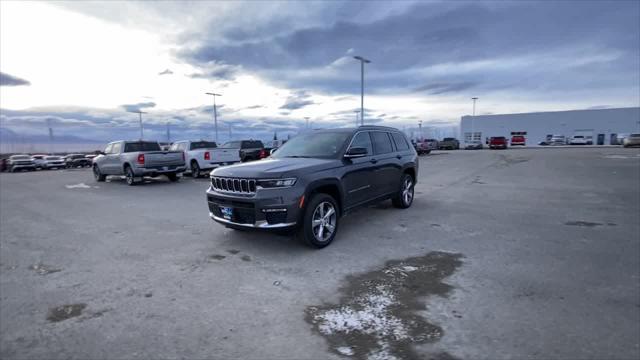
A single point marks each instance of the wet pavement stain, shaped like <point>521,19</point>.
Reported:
<point>216,257</point>
<point>42,269</point>
<point>376,316</point>
<point>64,312</point>
<point>246,258</point>
<point>583,223</point>
<point>233,251</point>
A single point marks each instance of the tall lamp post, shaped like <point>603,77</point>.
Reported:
<point>357,112</point>
<point>307,119</point>
<point>215,113</point>
<point>140,112</point>
<point>362,62</point>
<point>420,127</point>
<point>473,137</point>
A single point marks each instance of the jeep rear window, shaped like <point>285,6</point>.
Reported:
<point>381,142</point>
<point>141,146</point>
<point>203,145</point>
<point>401,142</point>
<point>324,145</point>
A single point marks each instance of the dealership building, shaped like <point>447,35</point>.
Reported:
<point>603,126</point>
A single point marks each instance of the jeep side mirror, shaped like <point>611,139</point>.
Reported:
<point>356,152</point>
<point>272,151</point>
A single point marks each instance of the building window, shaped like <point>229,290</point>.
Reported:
<point>477,136</point>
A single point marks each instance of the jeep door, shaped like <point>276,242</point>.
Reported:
<point>386,172</point>
<point>112,159</point>
<point>358,177</point>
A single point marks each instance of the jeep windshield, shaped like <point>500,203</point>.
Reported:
<point>324,145</point>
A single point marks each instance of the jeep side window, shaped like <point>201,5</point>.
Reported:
<point>363,139</point>
<point>401,142</point>
<point>116,148</point>
<point>381,142</point>
<point>108,149</point>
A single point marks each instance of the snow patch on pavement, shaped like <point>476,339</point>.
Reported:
<point>78,186</point>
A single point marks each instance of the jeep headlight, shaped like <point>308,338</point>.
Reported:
<point>276,183</point>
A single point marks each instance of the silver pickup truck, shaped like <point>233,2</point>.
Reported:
<point>136,159</point>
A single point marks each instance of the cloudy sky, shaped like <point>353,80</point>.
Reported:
<point>83,66</point>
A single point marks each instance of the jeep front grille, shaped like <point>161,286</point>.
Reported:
<point>235,185</point>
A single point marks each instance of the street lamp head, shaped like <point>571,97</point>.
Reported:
<point>474,98</point>
<point>214,94</point>
<point>362,59</point>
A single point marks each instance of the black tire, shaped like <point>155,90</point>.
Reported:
<point>307,231</point>
<point>173,177</point>
<point>97,174</point>
<point>405,195</point>
<point>195,169</point>
<point>129,176</point>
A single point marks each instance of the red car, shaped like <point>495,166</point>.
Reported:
<point>518,140</point>
<point>498,142</point>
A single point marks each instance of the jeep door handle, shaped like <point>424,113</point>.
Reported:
<point>399,156</point>
<point>373,161</point>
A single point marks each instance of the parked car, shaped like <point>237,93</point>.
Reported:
<point>558,140</point>
<point>449,143</point>
<point>518,140</point>
<point>53,162</point>
<point>3,164</point>
<point>90,156</point>
<point>631,140</point>
<point>578,140</point>
<point>76,160</point>
<point>249,149</point>
<point>38,160</point>
<point>21,162</point>
<point>313,180</point>
<point>475,145</point>
<point>423,147</point>
<point>203,156</point>
<point>497,142</point>
<point>271,146</point>
<point>136,159</point>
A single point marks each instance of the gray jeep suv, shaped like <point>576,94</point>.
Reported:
<point>313,180</point>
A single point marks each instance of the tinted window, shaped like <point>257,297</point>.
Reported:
<point>141,146</point>
<point>250,144</point>
<point>401,141</point>
<point>314,145</point>
<point>116,148</point>
<point>448,139</point>
<point>203,145</point>
<point>381,142</point>
<point>363,140</point>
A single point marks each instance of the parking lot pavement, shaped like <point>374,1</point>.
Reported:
<point>504,254</point>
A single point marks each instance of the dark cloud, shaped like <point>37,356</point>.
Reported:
<point>297,100</point>
<point>255,107</point>
<point>507,44</point>
<point>442,88</point>
<point>166,72</point>
<point>217,72</point>
<point>138,106</point>
<point>10,80</point>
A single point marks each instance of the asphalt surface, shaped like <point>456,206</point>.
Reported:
<point>504,254</point>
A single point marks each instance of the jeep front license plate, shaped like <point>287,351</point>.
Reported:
<point>226,212</point>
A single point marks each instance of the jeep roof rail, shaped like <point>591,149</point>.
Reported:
<point>377,127</point>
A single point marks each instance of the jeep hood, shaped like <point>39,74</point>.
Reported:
<point>276,168</point>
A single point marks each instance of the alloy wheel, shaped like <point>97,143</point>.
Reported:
<point>407,191</point>
<point>324,221</point>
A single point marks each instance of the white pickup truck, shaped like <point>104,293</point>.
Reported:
<point>202,156</point>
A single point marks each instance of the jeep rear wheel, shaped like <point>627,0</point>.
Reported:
<point>320,221</point>
<point>404,198</point>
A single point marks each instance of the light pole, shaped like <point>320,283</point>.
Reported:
<point>473,137</point>
<point>357,112</point>
<point>168,133</point>
<point>362,62</point>
<point>420,127</point>
<point>215,113</point>
<point>307,119</point>
<point>140,112</point>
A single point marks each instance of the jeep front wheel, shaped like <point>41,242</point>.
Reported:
<point>320,221</point>
<point>404,198</point>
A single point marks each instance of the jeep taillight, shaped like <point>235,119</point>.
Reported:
<point>207,155</point>
<point>141,159</point>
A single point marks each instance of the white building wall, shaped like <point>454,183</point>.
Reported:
<point>568,123</point>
